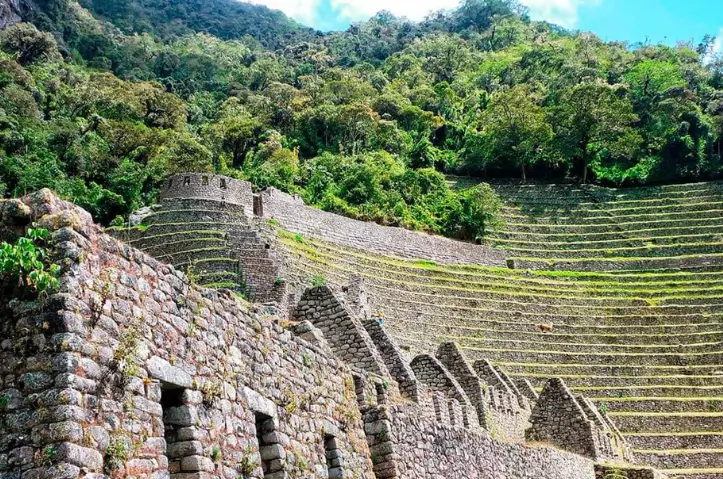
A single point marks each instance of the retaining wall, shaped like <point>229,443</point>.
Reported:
<point>293,215</point>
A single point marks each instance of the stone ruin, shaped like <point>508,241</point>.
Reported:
<point>131,370</point>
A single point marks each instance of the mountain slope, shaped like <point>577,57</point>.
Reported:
<point>225,19</point>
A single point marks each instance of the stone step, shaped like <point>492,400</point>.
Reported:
<point>592,385</point>
<point>198,216</point>
<point>582,217</point>
<point>527,327</point>
<point>449,296</point>
<point>248,254</point>
<point>584,370</point>
<point>546,356</point>
<point>620,244</point>
<point>211,265</point>
<point>706,473</point>
<point>699,261</point>
<point>526,331</point>
<point>633,251</point>
<point>528,225</point>
<point>194,256</point>
<point>608,236</point>
<point>342,255</point>
<point>654,390</point>
<point>173,247</point>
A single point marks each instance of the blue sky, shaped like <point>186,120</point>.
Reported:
<point>635,20</point>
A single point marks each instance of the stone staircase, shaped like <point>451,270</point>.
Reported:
<point>214,243</point>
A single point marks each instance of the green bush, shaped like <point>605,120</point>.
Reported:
<point>318,280</point>
<point>24,265</point>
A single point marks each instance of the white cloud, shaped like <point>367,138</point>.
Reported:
<point>718,45</point>
<point>717,48</point>
<point>300,10</point>
<point>561,12</point>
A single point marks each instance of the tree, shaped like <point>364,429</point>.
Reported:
<point>514,129</point>
<point>28,44</point>
<point>480,212</point>
<point>593,117</point>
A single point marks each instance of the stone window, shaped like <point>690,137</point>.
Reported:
<point>170,182</point>
<point>270,451</point>
<point>186,181</point>
<point>204,180</point>
<point>223,183</point>
<point>334,461</point>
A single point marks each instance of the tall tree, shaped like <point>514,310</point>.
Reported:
<point>515,128</point>
<point>593,117</point>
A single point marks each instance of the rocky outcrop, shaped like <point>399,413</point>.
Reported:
<point>9,13</point>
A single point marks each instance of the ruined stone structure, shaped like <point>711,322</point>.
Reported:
<point>133,369</point>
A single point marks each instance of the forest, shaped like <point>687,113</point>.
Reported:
<point>102,99</point>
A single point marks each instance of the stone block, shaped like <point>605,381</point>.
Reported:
<point>159,368</point>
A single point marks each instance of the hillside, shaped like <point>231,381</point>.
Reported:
<point>629,280</point>
<point>363,122</point>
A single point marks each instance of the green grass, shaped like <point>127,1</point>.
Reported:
<point>601,225</point>
<point>517,293</point>
<point>311,252</point>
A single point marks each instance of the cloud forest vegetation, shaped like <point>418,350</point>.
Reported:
<point>101,100</point>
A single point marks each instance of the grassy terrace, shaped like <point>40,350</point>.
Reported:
<point>586,227</point>
<point>632,281</point>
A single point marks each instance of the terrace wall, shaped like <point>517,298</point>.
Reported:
<point>130,371</point>
<point>292,214</point>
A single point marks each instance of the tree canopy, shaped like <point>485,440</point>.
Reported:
<point>101,100</point>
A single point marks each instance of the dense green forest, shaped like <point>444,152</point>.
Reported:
<point>102,99</point>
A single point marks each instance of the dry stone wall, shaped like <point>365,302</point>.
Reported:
<point>462,454</point>
<point>572,424</point>
<point>202,186</point>
<point>129,371</point>
<point>293,215</point>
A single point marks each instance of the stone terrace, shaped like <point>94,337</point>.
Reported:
<point>630,280</point>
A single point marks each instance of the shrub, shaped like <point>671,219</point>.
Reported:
<point>318,280</point>
<point>24,265</point>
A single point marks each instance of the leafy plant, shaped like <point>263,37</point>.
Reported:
<point>116,453</point>
<point>216,454</point>
<point>24,265</point>
<point>615,473</point>
<point>318,280</point>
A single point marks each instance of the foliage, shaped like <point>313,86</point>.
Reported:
<point>24,265</point>
<point>318,280</point>
<point>615,473</point>
<point>364,122</point>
